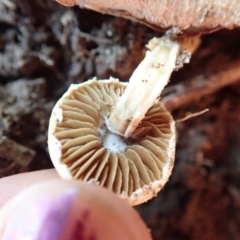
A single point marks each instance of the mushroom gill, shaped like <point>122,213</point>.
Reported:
<point>81,146</point>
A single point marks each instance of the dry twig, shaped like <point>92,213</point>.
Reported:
<point>202,85</point>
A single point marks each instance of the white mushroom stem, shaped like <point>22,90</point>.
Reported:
<point>145,86</point>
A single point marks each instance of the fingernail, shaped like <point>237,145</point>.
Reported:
<point>71,210</point>
<point>41,219</point>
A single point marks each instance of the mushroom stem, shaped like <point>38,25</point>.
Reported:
<point>145,86</point>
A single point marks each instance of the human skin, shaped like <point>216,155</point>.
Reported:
<point>41,206</point>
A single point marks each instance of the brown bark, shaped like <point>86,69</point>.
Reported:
<point>187,15</point>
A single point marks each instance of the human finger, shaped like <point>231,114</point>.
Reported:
<point>69,210</point>
<point>12,185</point>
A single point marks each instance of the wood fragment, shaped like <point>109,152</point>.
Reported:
<point>188,15</point>
<point>185,93</point>
<point>14,157</point>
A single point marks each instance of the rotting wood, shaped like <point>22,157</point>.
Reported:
<point>15,157</point>
<point>187,15</point>
<point>186,92</point>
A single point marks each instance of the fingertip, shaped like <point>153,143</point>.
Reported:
<point>13,185</point>
<point>72,208</point>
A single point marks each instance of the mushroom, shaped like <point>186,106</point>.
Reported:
<point>81,146</point>
<point>187,15</point>
<point>117,134</point>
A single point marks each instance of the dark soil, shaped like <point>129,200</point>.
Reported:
<point>45,47</point>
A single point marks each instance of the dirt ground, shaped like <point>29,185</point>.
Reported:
<point>45,47</point>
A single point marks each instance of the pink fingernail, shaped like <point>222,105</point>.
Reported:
<point>42,220</point>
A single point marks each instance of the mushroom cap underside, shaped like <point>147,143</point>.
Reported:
<point>81,147</point>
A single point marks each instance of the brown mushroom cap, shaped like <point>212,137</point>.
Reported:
<point>81,147</point>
